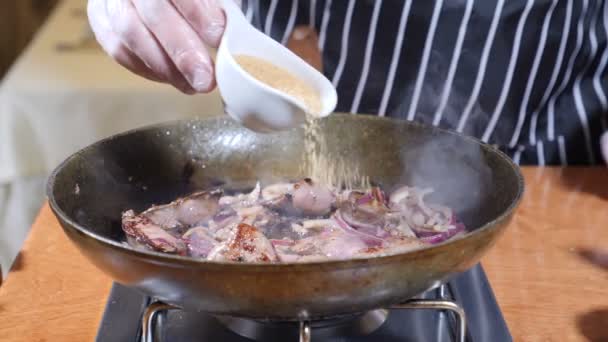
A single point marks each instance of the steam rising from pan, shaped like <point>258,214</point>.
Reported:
<point>457,184</point>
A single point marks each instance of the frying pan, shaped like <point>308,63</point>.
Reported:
<point>156,164</point>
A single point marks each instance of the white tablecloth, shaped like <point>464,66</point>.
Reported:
<point>52,103</point>
<point>20,201</point>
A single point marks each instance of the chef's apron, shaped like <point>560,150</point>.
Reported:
<point>527,76</point>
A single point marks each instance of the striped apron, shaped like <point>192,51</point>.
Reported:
<point>528,76</point>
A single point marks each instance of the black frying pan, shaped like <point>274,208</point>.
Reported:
<point>156,164</point>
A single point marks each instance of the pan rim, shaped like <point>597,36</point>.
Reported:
<point>151,256</point>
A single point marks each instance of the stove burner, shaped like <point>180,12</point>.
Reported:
<point>436,315</point>
<point>362,324</point>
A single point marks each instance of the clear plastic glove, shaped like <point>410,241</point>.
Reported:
<point>161,40</point>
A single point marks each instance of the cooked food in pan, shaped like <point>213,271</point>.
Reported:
<point>293,222</point>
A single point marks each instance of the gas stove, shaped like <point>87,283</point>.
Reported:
<point>464,309</point>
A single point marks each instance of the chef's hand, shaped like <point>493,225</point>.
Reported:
<point>162,40</point>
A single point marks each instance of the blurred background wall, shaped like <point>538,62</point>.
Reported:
<point>58,93</point>
<point>19,20</point>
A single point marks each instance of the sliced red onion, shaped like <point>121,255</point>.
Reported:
<point>365,199</point>
<point>379,195</point>
<point>455,221</point>
<point>373,226</point>
<point>369,239</point>
<point>443,236</point>
<point>199,242</point>
<point>223,214</point>
<point>443,210</point>
<point>414,197</point>
<point>423,232</point>
<point>398,196</point>
<point>350,220</point>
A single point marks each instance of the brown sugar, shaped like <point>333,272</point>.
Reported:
<point>281,79</point>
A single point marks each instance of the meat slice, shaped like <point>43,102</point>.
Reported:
<point>199,242</point>
<point>246,244</point>
<point>187,211</point>
<point>330,244</point>
<point>150,234</point>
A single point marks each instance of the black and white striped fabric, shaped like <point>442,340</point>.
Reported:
<point>526,75</point>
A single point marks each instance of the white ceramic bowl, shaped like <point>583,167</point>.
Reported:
<point>254,104</point>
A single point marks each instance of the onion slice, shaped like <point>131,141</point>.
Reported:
<point>369,239</point>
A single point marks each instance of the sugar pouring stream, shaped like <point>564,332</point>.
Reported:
<point>265,86</point>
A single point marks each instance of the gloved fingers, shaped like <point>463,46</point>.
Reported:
<point>206,17</point>
<point>129,28</point>
<point>130,61</point>
<point>113,46</point>
<point>179,41</point>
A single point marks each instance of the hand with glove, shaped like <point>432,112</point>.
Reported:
<point>161,40</point>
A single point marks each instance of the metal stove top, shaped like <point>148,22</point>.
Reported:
<point>471,291</point>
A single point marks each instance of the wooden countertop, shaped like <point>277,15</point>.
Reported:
<point>548,271</point>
